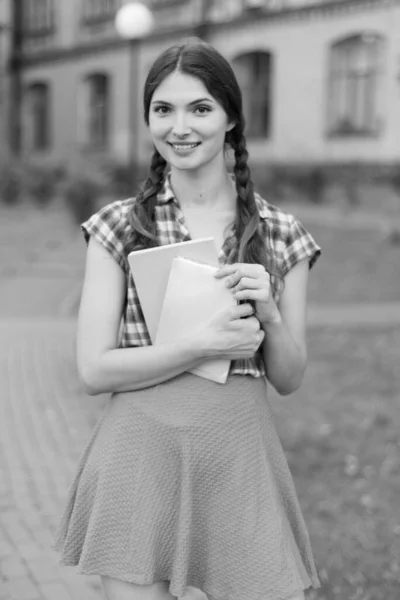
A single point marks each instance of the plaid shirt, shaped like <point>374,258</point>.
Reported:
<point>287,237</point>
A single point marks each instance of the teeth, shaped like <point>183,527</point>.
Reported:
<point>183,146</point>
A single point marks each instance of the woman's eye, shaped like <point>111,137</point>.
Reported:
<point>203,109</point>
<point>162,110</point>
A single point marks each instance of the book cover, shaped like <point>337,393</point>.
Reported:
<point>150,270</point>
<point>192,297</point>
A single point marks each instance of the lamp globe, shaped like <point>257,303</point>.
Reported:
<point>134,20</point>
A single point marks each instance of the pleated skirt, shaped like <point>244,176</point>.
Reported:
<point>187,482</point>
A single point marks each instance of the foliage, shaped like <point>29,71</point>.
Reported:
<point>20,179</point>
<point>313,182</point>
<point>11,175</point>
<point>96,182</point>
<point>395,180</point>
<point>280,182</point>
<point>82,193</point>
<point>124,179</point>
<point>41,183</point>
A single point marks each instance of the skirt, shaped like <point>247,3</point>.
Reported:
<point>187,482</point>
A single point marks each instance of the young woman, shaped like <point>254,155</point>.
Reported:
<point>184,481</point>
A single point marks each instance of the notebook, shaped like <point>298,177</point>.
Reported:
<point>150,270</point>
<point>192,297</point>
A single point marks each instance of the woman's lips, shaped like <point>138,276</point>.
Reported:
<point>184,148</point>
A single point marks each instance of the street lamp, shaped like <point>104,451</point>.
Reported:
<point>133,22</point>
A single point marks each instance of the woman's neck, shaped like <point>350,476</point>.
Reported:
<point>195,190</point>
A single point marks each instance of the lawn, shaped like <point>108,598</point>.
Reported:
<point>355,266</point>
<point>341,433</point>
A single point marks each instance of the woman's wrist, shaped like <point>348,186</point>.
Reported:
<point>193,348</point>
<point>273,324</point>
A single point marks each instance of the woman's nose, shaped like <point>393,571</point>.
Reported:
<point>180,126</point>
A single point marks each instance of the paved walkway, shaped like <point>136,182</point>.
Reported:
<point>44,424</point>
<point>45,419</point>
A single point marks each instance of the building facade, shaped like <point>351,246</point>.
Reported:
<point>5,48</point>
<point>320,80</point>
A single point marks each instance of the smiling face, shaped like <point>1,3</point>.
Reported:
<point>187,124</point>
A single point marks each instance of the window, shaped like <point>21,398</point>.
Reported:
<point>97,110</point>
<point>39,17</point>
<point>254,73</point>
<point>165,3</point>
<point>98,11</point>
<point>354,85</point>
<point>38,116</point>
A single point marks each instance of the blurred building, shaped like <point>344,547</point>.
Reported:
<point>321,79</point>
<point>5,48</point>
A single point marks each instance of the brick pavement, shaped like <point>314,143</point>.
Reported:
<point>45,419</point>
<point>45,422</point>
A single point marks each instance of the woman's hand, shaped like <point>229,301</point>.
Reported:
<point>232,333</point>
<point>251,282</point>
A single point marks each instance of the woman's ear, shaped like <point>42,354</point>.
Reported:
<point>230,126</point>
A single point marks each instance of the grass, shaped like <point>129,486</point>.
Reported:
<point>355,266</point>
<point>341,433</point>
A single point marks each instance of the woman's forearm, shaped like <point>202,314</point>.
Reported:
<point>285,361</point>
<point>126,369</point>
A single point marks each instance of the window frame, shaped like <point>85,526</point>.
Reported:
<point>160,4</point>
<point>39,23</point>
<point>258,127</point>
<point>92,139</point>
<point>354,84</point>
<point>39,114</point>
<point>96,12</point>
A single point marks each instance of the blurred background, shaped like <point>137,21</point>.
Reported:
<point>321,89</point>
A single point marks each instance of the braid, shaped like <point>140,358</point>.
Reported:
<point>142,215</point>
<point>252,242</point>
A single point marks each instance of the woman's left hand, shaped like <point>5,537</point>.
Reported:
<point>251,282</point>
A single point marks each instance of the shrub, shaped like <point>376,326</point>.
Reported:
<point>81,196</point>
<point>395,180</point>
<point>11,177</point>
<point>270,181</point>
<point>351,179</point>
<point>316,182</point>
<point>124,179</point>
<point>84,187</point>
<point>121,179</point>
<point>41,183</point>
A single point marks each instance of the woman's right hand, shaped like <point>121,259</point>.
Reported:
<point>231,333</point>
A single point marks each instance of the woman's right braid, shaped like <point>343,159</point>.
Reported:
<point>142,216</point>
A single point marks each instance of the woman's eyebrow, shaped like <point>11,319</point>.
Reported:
<point>163,102</point>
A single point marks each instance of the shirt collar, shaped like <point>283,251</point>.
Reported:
<point>166,192</point>
<point>262,206</point>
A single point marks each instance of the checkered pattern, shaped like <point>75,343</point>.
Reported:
<point>287,237</point>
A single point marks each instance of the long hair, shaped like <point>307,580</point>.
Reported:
<point>201,60</point>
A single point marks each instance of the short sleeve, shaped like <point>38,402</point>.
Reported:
<point>109,227</point>
<point>299,245</point>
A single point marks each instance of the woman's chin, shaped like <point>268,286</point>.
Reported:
<point>185,164</point>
